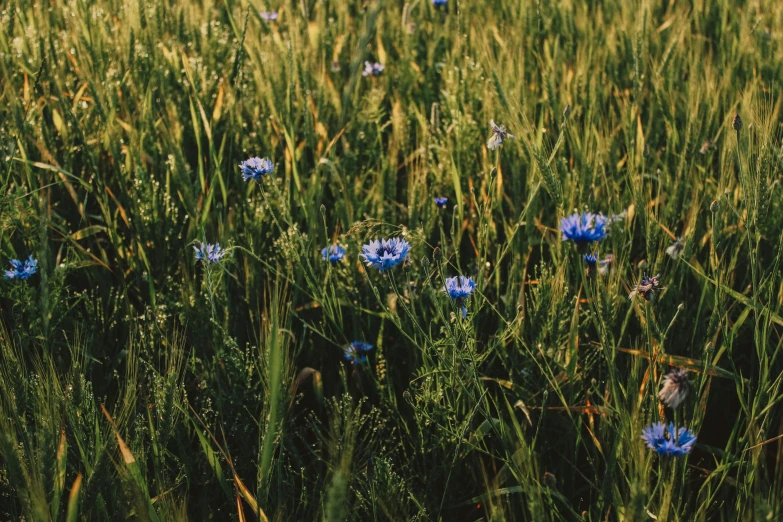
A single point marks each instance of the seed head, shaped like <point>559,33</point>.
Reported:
<point>605,264</point>
<point>676,248</point>
<point>674,388</point>
<point>647,287</point>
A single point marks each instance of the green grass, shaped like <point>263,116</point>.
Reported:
<point>138,384</point>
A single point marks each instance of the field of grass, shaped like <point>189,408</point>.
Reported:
<point>137,382</point>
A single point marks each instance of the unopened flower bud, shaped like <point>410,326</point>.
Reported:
<point>737,122</point>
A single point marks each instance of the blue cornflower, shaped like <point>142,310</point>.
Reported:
<point>255,168</point>
<point>21,270</point>
<point>333,253</point>
<point>372,69</point>
<point>386,253</point>
<point>208,252</point>
<point>660,438</point>
<point>356,352</point>
<point>459,289</point>
<point>269,17</point>
<point>591,260</point>
<point>441,202</point>
<point>583,229</point>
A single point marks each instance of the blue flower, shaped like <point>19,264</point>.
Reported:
<point>333,253</point>
<point>254,168</point>
<point>583,229</point>
<point>441,202</point>
<point>459,289</point>
<point>592,261</point>
<point>386,253</point>
<point>356,352</point>
<point>439,2</point>
<point>21,270</point>
<point>661,438</point>
<point>372,69</point>
<point>269,17</point>
<point>208,252</point>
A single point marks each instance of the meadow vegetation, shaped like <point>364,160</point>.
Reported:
<point>137,382</point>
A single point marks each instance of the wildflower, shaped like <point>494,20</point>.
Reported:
<point>356,352</point>
<point>386,253</point>
<point>459,289</point>
<point>706,146</point>
<point>583,229</point>
<point>208,252</point>
<point>605,264</point>
<point>674,388</point>
<point>268,17</point>
<point>21,270</point>
<point>499,133</point>
<point>661,438</point>
<point>333,253</point>
<point>736,123</point>
<point>372,69</point>
<point>676,248</point>
<point>255,168</point>
<point>438,3</point>
<point>441,202</point>
<point>591,260</point>
<point>614,218</point>
<point>646,287</point>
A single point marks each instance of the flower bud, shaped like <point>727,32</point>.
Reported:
<point>737,122</point>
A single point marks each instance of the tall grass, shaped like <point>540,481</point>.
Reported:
<point>138,383</point>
